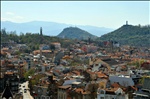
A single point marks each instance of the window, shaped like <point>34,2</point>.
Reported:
<point>102,98</point>
<point>48,97</point>
<point>102,92</point>
<point>12,83</point>
<point>43,97</point>
<point>39,90</point>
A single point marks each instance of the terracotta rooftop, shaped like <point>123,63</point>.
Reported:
<point>67,57</point>
<point>10,65</point>
<point>3,53</point>
<point>80,90</point>
<point>134,88</point>
<point>111,89</point>
<point>64,87</point>
<point>76,72</point>
<point>101,75</point>
<point>9,73</point>
<point>115,85</point>
<point>5,48</point>
<point>43,51</point>
<point>55,43</point>
<point>45,64</point>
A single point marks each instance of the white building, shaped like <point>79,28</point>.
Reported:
<point>111,93</point>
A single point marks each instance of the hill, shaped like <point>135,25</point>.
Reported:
<point>130,35</point>
<point>49,28</point>
<point>75,33</point>
<point>32,40</point>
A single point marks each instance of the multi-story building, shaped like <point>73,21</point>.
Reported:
<point>13,81</point>
<point>111,93</point>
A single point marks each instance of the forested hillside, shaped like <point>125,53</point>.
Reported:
<point>32,39</point>
<point>75,33</point>
<point>130,35</point>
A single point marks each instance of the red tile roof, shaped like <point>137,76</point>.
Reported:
<point>101,75</point>
<point>115,85</point>
<point>64,87</point>
<point>80,90</point>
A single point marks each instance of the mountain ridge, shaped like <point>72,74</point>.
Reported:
<point>49,28</point>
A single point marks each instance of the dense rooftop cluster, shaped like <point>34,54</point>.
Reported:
<point>83,70</point>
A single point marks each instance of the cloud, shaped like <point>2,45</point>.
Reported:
<point>6,19</point>
<point>10,13</point>
<point>10,16</point>
<point>19,17</point>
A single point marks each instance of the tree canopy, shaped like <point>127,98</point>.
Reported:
<point>130,35</point>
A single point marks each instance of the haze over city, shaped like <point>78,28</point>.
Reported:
<point>75,50</point>
<point>111,14</point>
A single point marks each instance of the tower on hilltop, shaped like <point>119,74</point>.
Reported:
<point>126,22</point>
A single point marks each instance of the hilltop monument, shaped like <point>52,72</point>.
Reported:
<point>126,22</point>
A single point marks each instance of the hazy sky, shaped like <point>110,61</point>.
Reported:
<point>111,14</point>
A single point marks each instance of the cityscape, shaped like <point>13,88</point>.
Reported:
<point>58,60</point>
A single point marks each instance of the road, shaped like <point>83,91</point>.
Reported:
<point>26,95</point>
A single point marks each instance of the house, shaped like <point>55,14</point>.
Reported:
<point>46,53</point>
<point>7,93</point>
<point>98,64</point>
<point>57,45</point>
<point>62,92</point>
<point>22,47</point>
<point>46,47</point>
<point>40,92</point>
<point>82,94</point>
<point>111,93</point>
<point>2,82</point>
<point>145,92</point>
<point>58,57</point>
<point>124,81</point>
<point>12,79</point>
<point>89,48</point>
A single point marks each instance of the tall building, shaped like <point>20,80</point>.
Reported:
<point>7,94</point>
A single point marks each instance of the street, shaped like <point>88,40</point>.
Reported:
<point>25,90</point>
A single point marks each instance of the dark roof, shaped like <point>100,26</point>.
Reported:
<point>111,61</point>
<point>7,93</point>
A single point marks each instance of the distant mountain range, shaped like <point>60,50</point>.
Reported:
<point>130,35</point>
<point>75,33</point>
<point>50,28</point>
